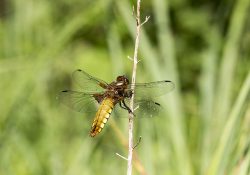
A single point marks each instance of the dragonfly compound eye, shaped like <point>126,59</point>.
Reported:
<point>122,80</point>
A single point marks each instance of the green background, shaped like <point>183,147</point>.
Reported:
<point>202,46</point>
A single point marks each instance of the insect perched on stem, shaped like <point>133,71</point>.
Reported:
<point>109,95</point>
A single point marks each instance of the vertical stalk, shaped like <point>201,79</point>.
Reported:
<point>135,61</point>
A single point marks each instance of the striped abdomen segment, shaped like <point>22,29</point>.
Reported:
<point>102,116</point>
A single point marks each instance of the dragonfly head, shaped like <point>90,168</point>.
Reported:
<point>122,80</point>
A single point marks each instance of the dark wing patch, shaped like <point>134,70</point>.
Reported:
<point>78,101</point>
<point>88,83</point>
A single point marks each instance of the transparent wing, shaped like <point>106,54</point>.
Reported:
<point>147,108</point>
<point>142,109</point>
<point>152,90</point>
<point>144,93</point>
<point>87,82</point>
<point>78,101</point>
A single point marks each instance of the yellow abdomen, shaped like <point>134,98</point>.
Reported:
<point>102,116</point>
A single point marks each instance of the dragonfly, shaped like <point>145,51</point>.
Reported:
<point>109,95</point>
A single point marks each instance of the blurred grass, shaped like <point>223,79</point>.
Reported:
<point>202,46</point>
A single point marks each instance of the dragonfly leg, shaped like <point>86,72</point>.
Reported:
<point>127,108</point>
<point>122,106</point>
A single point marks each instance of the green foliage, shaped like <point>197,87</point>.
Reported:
<point>202,46</point>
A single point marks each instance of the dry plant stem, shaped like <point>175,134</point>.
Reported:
<point>135,60</point>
